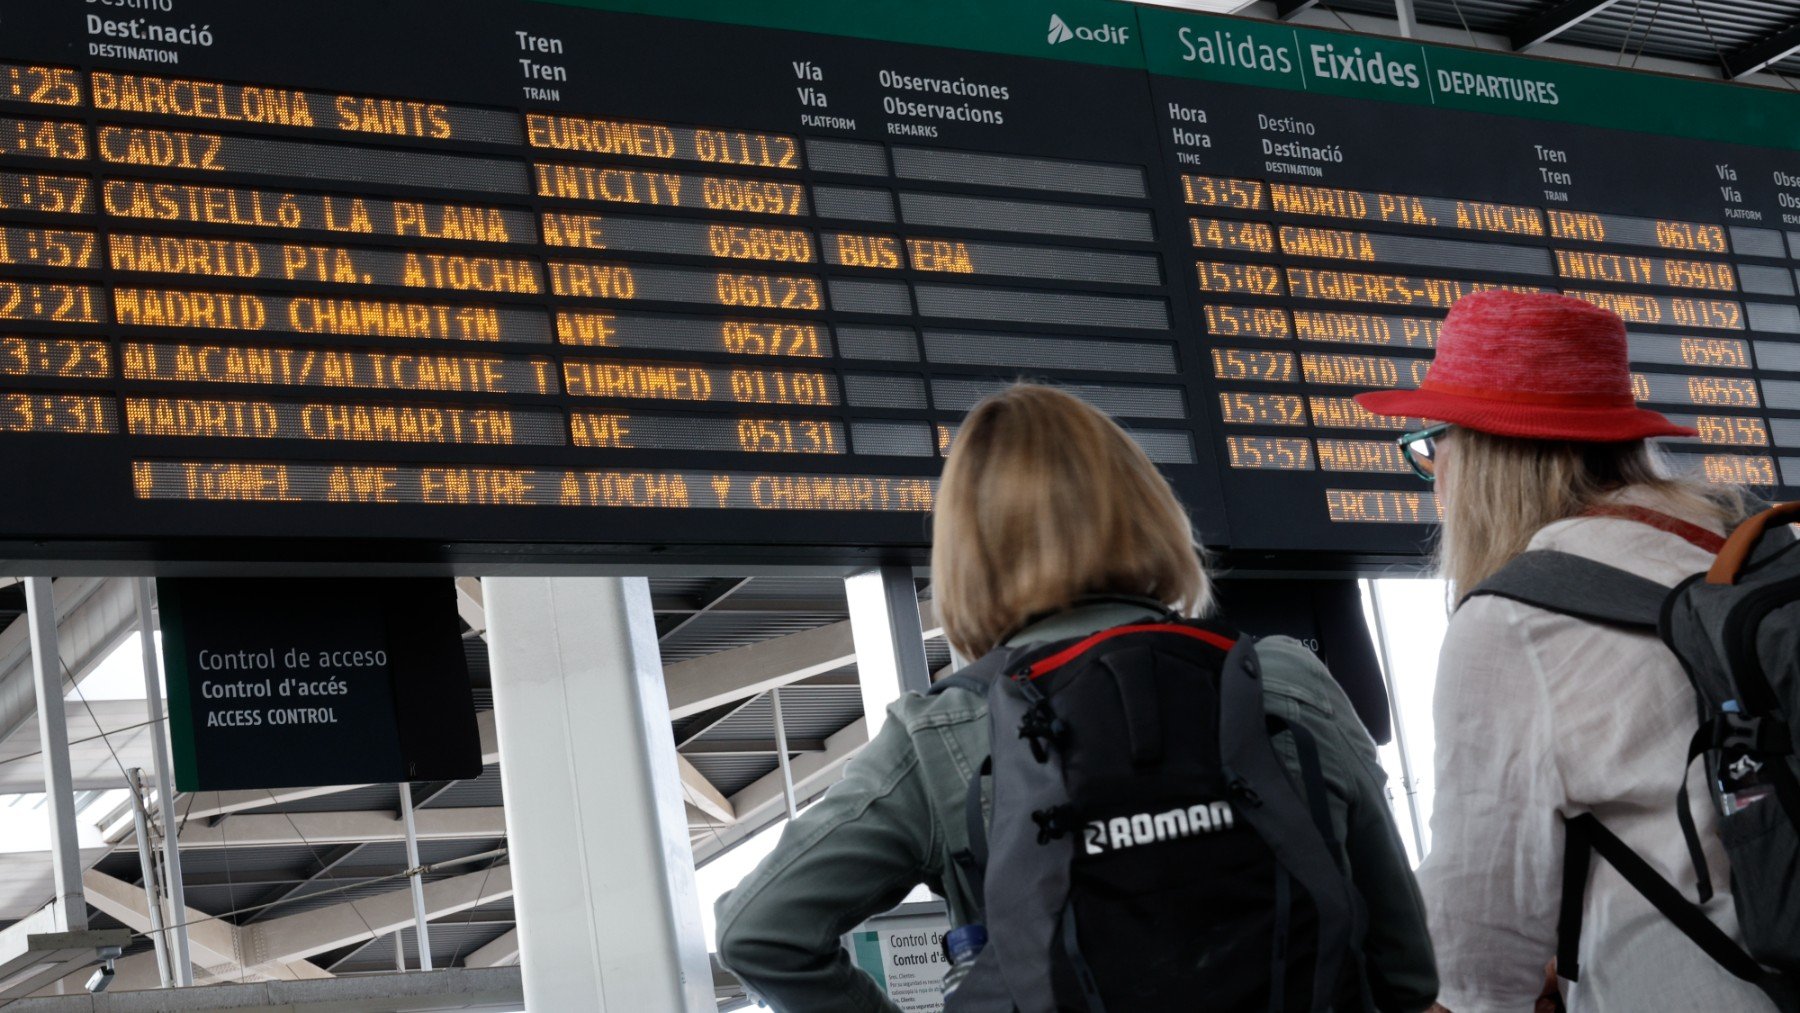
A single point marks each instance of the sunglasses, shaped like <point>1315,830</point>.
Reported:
<point>1421,450</point>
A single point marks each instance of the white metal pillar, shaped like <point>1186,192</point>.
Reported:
<point>783,761</point>
<point>69,901</point>
<point>421,931</point>
<point>147,865</point>
<point>890,641</point>
<point>1409,782</point>
<point>603,871</point>
<point>1409,24</point>
<point>174,890</point>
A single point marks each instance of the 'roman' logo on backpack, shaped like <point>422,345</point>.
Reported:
<point>1122,832</point>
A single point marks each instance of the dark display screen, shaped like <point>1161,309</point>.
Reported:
<point>543,276</point>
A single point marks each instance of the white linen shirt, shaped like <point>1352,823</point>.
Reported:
<point>1540,716</point>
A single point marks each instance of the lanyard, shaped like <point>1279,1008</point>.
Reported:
<point>1690,532</point>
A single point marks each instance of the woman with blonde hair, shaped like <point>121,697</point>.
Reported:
<point>1051,525</point>
<point>1537,443</point>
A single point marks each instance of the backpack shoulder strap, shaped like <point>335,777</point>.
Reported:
<point>976,676</point>
<point>1580,587</point>
<point>1264,797</point>
<point>1586,836</point>
<point>963,681</point>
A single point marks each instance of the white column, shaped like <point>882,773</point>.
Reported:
<point>782,761</point>
<point>1408,782</point>
<point>147,865</point>
<point>161,760</point>
<point>890,641</point>
<point>603,872</point>
<point>420,929</point>
<point>1409,24</point>
<point>70,901</point>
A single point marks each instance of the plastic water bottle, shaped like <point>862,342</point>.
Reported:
<point>964,943</point>
<point>1741,780</point>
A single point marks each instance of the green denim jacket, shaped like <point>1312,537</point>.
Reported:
<point>897,816</point>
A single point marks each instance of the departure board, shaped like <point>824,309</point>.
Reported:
<point>700,280</point>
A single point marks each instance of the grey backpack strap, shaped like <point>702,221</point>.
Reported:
<point>1264,797</point>
<point>961,680</point>
<point>1577,586</point>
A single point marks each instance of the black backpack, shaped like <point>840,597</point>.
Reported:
<point>1736,631</point>
<point>1148,851</point>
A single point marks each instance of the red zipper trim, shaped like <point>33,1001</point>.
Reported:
<point>1694,534</point>
<point>1068,654</point>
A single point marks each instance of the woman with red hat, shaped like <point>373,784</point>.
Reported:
<point>1539,444</point>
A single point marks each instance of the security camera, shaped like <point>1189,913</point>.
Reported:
<point>102,978</point>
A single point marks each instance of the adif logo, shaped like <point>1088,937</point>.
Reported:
<point>1060,32</point>
<point>1123,832</point>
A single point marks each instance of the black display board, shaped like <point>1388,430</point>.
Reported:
<point>305,682</point>
<point>1326,616</point>
<point>441,281</point>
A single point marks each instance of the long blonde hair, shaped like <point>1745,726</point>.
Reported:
<point>1044,499</point>
<point>1499,491</point>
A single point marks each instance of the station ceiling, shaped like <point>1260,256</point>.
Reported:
<point>1733,39</point>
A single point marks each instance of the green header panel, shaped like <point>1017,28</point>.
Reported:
<point>1274,55</point>
<point>1086,31</point>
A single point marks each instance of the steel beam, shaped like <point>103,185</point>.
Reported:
<point>890,638</point>
<point>415,881</point>
<point>1759,54</point>
<point>262,830</point>
<point>469,604</point>
<point>216,943</point>
<point>1409,22</point>
<point>504,950</point>
<point>331,860</point>
<point>750,747</point>
<point>783,760</point>
<point>94,616</point>
<point>763,801</point>
<point>307,934</point>
<point>147,867</point>
<point>714,597</point>
<point>702,795</point>
<point>53,738</point>
<point>162,762</point>
<point>707,682</point>
<point>1542,27</point>
<point>1285,9</point>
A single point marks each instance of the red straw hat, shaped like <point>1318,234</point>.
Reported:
<point>1544,367</point>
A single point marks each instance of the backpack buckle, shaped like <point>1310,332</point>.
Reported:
<point>1053,824</point>
<point>1043,729</point>
<point>1765,736</point>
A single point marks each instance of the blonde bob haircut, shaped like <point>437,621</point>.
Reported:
<point>1499,491</point>
<point>1044,499</point>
